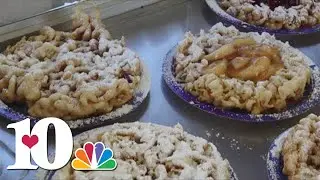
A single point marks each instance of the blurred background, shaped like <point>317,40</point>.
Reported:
<point>15,10</point>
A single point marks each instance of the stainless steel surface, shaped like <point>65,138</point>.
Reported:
<point>15,10</point>
<point>152,31</point>
<point>63,14</point>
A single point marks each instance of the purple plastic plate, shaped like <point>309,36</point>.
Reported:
<point>17,113</point>
<point>274,158</point>
<point>214,5</point>
<point>310,99</point>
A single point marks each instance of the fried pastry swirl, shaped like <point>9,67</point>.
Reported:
<point>69,75</point>
<point>248,71</point>
<point>306,14</point>
<point>301,150</point>
<point>150,151</point>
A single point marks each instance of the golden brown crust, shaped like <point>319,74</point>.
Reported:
<point>307,13</point>
<point>200,64</point>
<point>69,75</point>
<point>301,150</point>
<point>150,151</point>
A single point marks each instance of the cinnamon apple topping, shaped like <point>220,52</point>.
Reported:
<point>244,59</point>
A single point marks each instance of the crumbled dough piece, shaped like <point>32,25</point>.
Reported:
<point>301,150</point>
<point>149,151</point>
<point>69,75</point>
<point>197,70</point>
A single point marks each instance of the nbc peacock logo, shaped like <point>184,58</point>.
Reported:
<point>94,157</point>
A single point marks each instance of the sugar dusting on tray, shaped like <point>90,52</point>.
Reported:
<point>234,144</point>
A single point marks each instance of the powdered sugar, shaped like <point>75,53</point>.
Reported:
<point>140,93</point>
<point>305,14</point>
<point>312,99</point>
<point>309,99</point>
<point>158,148</point>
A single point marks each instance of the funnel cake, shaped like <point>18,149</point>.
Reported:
<point>301,150</point>
<point>248,71</point>
<point>70,75</point>
<point>275,14</point>
<point>150,151</point>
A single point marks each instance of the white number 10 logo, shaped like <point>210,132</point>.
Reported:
<point>35,143</point>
